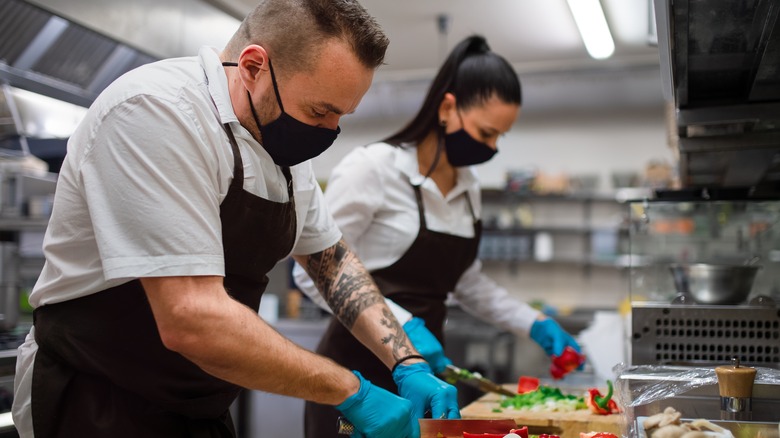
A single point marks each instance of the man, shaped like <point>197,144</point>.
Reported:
<point>184,185</point>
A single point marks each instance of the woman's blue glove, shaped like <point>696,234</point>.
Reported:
<point>551,337</point>
<point>417,384</point>
<point>376,412</point>
<point>427,344</point>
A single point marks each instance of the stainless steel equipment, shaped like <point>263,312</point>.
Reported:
<point>9,285</point>
<point>707,283</point>
<point>705,290</point>
<point>692,303</point>
<point>720,64</point>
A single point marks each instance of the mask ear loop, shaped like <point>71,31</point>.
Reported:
<point>276,87</point>
<point>439,148</point>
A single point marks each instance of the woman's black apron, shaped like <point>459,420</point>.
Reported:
<point>419,282</point>
<point>101,369</point>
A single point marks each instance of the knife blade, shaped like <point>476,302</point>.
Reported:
<point>432,428</point>
<point>455,374</point>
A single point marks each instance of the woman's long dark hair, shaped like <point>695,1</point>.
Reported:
<point>473,74</point>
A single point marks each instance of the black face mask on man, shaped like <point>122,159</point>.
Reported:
<point>287,140</point>
<point>464,150</point>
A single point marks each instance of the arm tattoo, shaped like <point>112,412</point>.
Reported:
<point>398,338</point>
<point>343,281</point>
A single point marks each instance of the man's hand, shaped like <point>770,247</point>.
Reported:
<point>427,344</point>
<point>551,337</point>
<point>376,412</point>
<point>417,383</point>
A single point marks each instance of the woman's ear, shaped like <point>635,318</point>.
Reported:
<point>447,109</point>
<point>253,64</point>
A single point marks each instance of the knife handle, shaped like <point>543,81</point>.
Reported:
<point>345,427</point>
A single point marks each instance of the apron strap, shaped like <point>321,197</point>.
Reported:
<point>421,209</point>
<point>238,164</point>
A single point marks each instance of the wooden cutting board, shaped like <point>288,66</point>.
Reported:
<point>565,424</point>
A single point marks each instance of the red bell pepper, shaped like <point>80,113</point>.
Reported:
<point>527,384</point>
<point>602,405</point>
<point>567,362</point>
<point>597,435</point>
<point>523,432</point>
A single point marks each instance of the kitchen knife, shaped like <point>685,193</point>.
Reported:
<point>431,428</point>
<point>455,374</point>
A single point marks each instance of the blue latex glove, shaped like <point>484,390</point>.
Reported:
<point>427,344</point>
<point>417,384</point>
<point>376,412</point>
<point>551,337</point>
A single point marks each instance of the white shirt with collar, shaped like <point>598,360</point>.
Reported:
<point>371,198</point>
<point>140,189</point>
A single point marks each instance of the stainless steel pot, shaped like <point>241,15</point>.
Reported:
<point>714,284</point>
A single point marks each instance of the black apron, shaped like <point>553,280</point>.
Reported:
<point>101,369</point>
<point>419,282</point>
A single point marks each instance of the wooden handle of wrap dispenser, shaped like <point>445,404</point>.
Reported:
<point>735,380</point>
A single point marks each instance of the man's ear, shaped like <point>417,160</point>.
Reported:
<point>253,64</point>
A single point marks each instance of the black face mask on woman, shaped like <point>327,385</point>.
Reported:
<point>463,150</point>
<point>287,140</point>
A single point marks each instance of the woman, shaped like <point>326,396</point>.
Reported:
<point>409,207</point>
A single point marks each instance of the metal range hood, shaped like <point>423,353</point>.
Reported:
<point>49,55</point>
<point>720,64</point>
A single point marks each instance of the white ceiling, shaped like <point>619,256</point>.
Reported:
<point>534,35</point>
<point>539,38</point>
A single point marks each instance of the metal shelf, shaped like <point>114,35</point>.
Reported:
<point>23,224</point>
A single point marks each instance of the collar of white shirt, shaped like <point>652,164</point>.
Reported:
<point>406,162</point>
<point>217,83</point>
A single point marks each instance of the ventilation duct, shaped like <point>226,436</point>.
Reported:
<point>46,54</point>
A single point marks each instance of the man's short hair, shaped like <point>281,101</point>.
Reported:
<point>292,31</point>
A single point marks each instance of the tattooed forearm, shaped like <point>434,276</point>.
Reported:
<point>343,281</point>
<point>397,337</point>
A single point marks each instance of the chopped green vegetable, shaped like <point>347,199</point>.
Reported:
<point>497,410</point>
<point>465,374</point>
<point>545,399</point>
<point>461,375</point>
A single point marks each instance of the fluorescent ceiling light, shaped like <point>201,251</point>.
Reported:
<point>592,25</point>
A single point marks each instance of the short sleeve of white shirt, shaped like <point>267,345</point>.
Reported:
<point>153,196</point>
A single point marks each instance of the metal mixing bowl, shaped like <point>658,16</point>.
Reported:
<point>714,284</point>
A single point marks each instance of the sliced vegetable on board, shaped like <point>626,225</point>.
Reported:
<point>544,398</point>
<point>602,405</point>
<point>527,384</point>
